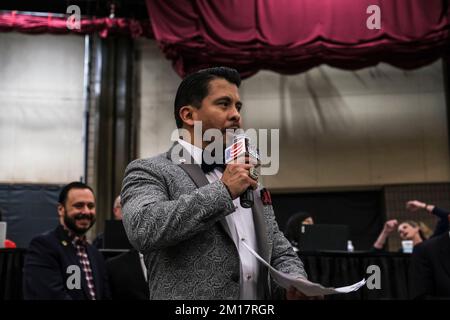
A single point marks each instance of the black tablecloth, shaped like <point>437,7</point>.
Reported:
<point>11,263</point>
<point>342,269</point>
<point>327,268</point>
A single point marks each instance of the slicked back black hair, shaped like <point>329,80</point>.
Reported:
<point>195,87</point>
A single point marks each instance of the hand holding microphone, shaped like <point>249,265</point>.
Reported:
<point>240,175</point>
<point>236,178</point>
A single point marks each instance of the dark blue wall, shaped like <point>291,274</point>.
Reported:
<point>28,210</point>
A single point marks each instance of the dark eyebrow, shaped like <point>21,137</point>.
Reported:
<point>83,203</point>
<point>227,99</point>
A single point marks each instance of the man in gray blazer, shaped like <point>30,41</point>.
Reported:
<point>189,223</point>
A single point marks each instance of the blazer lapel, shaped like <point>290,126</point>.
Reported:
<point>262,241</point>
<point>69,249</point>
<point>260,227</point>
<point>195,172</point>
<point>71,253</point>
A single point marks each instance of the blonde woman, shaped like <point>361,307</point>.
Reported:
<point>407,230</point>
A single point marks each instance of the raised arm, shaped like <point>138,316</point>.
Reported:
<point>389,227</point>
<point>443,215</point>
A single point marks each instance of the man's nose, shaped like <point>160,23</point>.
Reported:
<point>86,209</point>
<point>234,114</point>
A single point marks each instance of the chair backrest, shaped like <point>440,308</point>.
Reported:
<point>115,236</point>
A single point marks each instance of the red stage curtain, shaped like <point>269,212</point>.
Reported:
<point>13,21</point>
<point>292,36</point>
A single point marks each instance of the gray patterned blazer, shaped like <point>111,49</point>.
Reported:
<point>176,219</point>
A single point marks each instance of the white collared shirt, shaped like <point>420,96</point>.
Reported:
<point>242,228</point>
<point>143,266</point>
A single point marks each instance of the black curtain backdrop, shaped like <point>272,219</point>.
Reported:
<point>362,211</point>
<point>343,269</point>
<point>11,264</point>
<point>329,269</point>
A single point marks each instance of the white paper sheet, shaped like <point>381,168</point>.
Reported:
<point>307,287</point>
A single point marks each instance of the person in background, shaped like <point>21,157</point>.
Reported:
<point>61,264</point>
<point>429,273</point>
<point>293,224</point>
<point>407,230</point>
<point>117,211</point>
<point>127,273</point>
<point>411,230</point>
<point>429,269</point>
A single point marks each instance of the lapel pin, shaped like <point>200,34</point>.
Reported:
<point>64,243</point>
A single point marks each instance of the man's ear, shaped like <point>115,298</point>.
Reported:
<point>60,210</point>
<point>186,115</point>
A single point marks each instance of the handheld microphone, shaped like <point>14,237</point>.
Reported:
<point>241,147</point>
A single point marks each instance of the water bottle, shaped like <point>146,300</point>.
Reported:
<point>350,247</point>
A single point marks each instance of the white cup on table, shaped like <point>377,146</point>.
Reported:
<point>407,246</point>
